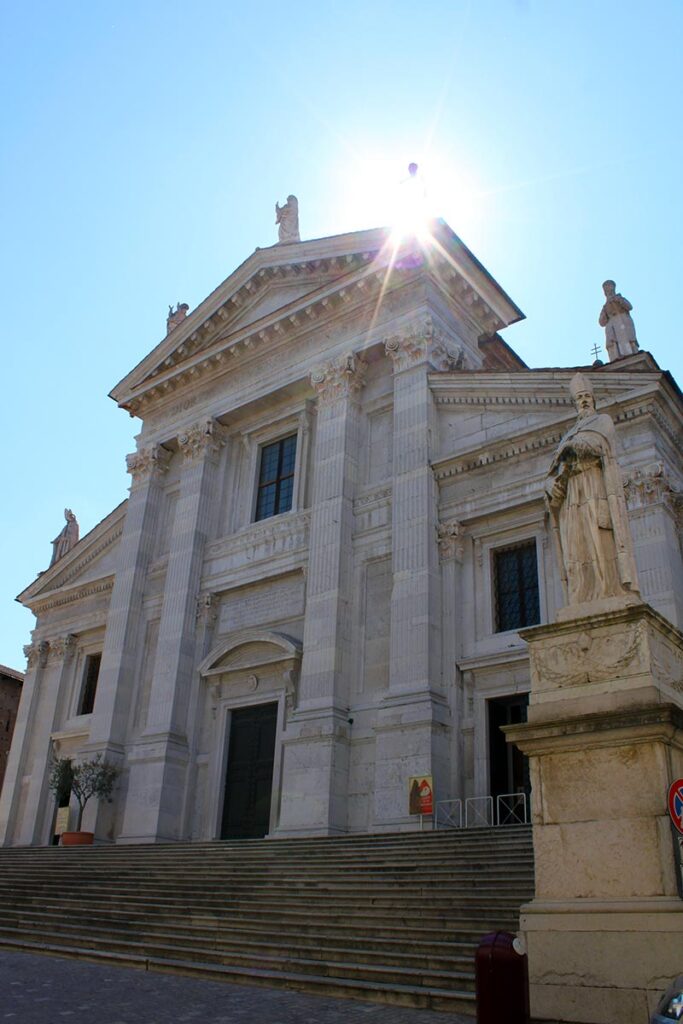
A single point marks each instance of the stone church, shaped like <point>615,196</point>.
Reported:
<point>335,530</point>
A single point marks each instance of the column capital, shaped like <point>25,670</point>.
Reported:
<point>63,647</point>
<point>450,539</point>
<point>340,378</point>
<point>202,440</point>
<point>36,653</point>
<point>424,343</point>
<point>207,609</point>
<point>650,485</point>
<point>148,463</point>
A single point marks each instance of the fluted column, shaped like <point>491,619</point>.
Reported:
<point>33,828</point>
<point>18,762</point>
<point>412,733</point>
<point>157,777</point>
<point>316,749</point>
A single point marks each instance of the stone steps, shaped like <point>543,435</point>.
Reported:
<point>391,918</point>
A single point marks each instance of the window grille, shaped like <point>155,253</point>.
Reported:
<point>276,478</point>
<point>516,587</point>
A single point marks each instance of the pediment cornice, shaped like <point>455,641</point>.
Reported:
<point>69,568</point>
<point>342,277</point>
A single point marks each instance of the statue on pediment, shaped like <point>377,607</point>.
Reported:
<point>585,496</point>
<point>176,316</point>
<point>287,219</point>
<point>615,317</point>
<point>66,538</point>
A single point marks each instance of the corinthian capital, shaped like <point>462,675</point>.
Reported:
<point>202,440</point>
<point>424,343</point>
<point>148,463</point>
<point>63,647</point>
<point>340,378</point>
<point>36,653</point>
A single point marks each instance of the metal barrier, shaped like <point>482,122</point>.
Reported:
<point>478,811</point>
<point>510,809</point>
<point>448,814</point>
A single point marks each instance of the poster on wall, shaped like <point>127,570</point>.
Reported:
<point>62,820</point>
<point>420,794</point>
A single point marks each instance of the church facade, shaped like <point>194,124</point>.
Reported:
<point>336,528</point>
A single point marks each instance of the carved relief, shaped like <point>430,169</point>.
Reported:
<point>36,653</point>
<point>201,440</point>
<point>63,647</point>
<point>340,378</point>
<point>450,539</point>
<point>148,463</point>
<point>590,659</point>
<point>650,485</point>
<point>207,610</point>
<point>427,343</point>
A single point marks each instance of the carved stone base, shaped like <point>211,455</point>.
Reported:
<point>604,740</point>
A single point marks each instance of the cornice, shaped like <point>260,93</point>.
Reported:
<point>76,569</point>
<point>56,599</point>
<point>257,535</point>
<point>201,346</point>
<point>547,435</point>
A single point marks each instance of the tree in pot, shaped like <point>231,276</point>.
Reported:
<point>84,779</point>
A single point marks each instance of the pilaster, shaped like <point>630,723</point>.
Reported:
<point>17,772</point>
<point>412,730</point>
<point>656,515</point>
<point>34,827</point>
<point>159,763</point>
<point>316,749</point>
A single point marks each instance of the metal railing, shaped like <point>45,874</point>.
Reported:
<point>510,809</point>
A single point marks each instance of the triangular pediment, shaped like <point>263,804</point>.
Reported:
<point>277,290</point>
<point>92,559</point>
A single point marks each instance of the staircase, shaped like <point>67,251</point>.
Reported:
<point>384,918</point>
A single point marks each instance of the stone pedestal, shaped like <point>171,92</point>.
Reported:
<point>604,739</point>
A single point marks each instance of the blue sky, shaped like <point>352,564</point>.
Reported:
<point>143,146</point>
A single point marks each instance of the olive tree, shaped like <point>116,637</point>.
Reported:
<point>84,779</point>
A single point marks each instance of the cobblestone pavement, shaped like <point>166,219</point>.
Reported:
<point>56,990</point>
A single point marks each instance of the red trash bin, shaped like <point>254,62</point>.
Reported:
<point>502,980</point>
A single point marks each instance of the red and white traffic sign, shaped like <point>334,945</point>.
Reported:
<point>676,804</point>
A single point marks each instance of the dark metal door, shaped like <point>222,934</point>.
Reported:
<point>249,775</point>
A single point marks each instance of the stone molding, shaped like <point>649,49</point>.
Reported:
<point>341,378</point>
<point>450,535</point>
<point>202,440</point>
<point>76,569</point>
<point>56,600</point>
<point>277,535</point>
<point>426,343</point>
<point>148,463</point>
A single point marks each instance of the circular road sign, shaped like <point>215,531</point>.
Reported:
<point>676,804</point>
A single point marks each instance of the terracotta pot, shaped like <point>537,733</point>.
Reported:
<point>77,838</point>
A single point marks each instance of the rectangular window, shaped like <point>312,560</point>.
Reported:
<point>516,587</point>
<point>89,689</point>
<point>276,478</point>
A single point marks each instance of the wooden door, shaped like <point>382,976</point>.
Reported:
<point>249,775</point>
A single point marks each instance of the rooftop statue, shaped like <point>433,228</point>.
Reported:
<point>287,217</point>
<point>586,501</point>
<point>615,317</point>
<point>66,538</point>
<point>176,316</point>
